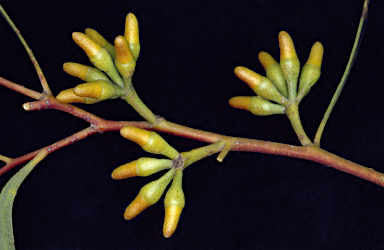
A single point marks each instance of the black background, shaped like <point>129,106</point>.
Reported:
<point>185,73</point>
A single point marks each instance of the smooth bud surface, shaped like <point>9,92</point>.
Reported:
<point>289,63</point>
<point>311,71</point>
<point>137,135</point>
<point>157,145</point>
<point>68,96</point>
<point>90,47</point>
<point>76,69</point>
<point>103,61</point>
<point>260,106</point>
<point>125,62</point>
<point>91,89</point>
<point>287,48</point>
<point>100,90</point>
<point>261,85</point>
<point>274,72</point>
<point>240,102</point>
<point>95,36</point>
<point>174,203</point>
<point>125,171</point>
<point>131,33</point>
<point>316,55</point>
<point>137,206</point>
<point>142,167</point>
<point>148,195</point>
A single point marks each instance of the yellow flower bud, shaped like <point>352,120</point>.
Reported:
<point>137,206</point>
<point>138,135</point>
<point>90,47</point>
<point>274,72</point>
<point>125,63</point>
<point>261,85</point>
<point>95,36</point>
<point>256,105</point>
<point>91,89</point>
<point>125,171</point>
<point>316,55</point>
<point>240,102</point>
<point>85,73</point>
<point>289,63</point>
<point>287,48</point>
<point>76,70</point>
<point>68,96</point>
<point>311,70</point>
<point>98,56</point>
<point>131,33</point>
<point>141,167</point>
<point>149,141</point>
<point>100,90</point>
<point>174,203</point>
<point>148,195</point>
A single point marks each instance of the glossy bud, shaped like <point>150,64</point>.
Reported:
<point>261,85</point>
<point>149,141</point>
<point>274,72</point>
<point>131,33</point>
<point>125,63</point>
<point>289,63</point>
<point>98,56</point>
<point>142,167</point>
<point>68,96</point>
<point>310,73</point>
<point>95,36</point>
<point>99,90</point>
<point>85,73</point>
<point>174,203</point>
<point>148,195</point>
<point>256,105</point>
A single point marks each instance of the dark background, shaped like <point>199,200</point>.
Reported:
<point>185,73</point>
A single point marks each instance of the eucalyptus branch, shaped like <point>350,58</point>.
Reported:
<point>311,153</point>
<point>280,92</point>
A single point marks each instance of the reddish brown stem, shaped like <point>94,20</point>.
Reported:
<point>51,148</point>
<point>21,89</point>
<point>312,153</point>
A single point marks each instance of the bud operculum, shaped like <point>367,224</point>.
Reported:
<point>174,203</point>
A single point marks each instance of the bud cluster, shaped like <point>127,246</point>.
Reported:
<point>114,65</point>
<point>279,88</point>
<point>152,192</point>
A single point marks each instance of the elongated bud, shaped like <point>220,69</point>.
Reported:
<point>99,90</point>
<point>68,96</point>
<point>142,167</point>
<point>90,47</point>
<point>148,195</point>
<point>85,73</point>
<point>149,141</point>
<point>125,63</point>
<point>95,36</point>
<point>131,33</point>
<point>274,72</point>
<point>256,105</point>
<point>310,73</point>
<point>98,56</point>
<point>76,69</point>
<point>261,85</point>
<point>289,63</point>
<point>174,203</point>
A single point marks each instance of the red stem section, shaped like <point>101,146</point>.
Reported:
<point>21,89</point>
<point>312,153</point>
